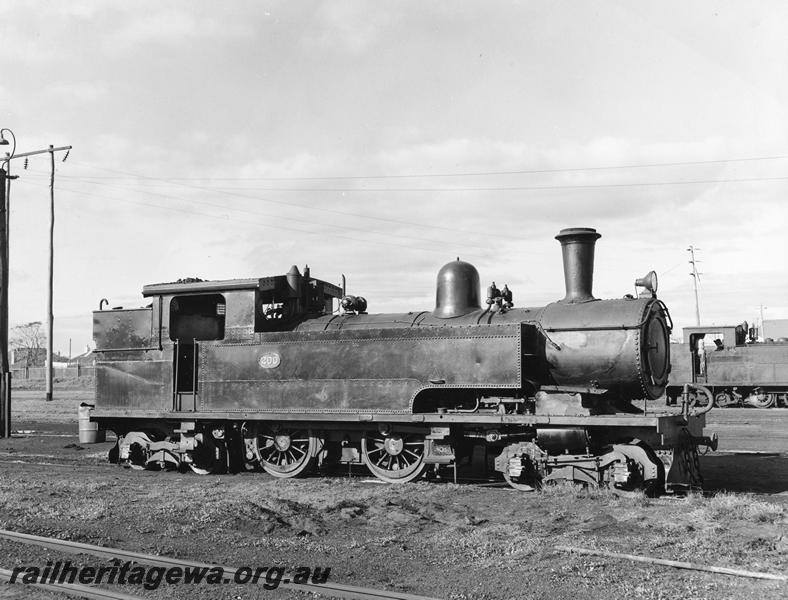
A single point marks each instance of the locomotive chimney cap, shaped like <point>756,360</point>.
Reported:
<point>578,233</point>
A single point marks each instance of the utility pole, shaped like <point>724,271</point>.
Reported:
<point>5,367</point>
<point>50,310</point>
<point>5,380</point>
<point>5,376</point>
<point>762,332</point>
<point>695,280</point>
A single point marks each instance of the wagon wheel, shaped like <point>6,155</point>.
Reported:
<point>394,458</point>
<point>287,452</point>
<point>209,457</point>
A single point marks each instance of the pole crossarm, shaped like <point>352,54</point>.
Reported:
<point>34,152</point>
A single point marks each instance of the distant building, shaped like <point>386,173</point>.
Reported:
<point>87,359</point>
<point>775,328</point>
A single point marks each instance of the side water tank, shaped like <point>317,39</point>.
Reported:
<point>457,291</point>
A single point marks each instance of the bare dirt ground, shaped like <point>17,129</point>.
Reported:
<point>465,541</point>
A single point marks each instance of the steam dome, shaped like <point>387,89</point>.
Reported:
<point>457,290</point>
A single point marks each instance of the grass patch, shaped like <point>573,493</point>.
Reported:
<point>743,507</point>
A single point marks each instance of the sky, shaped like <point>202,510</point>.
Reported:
<point>381,140</point>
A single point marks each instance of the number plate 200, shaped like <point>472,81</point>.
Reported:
<point>270,360</point>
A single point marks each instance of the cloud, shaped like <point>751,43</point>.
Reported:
<point>81,91</point>
<point>173,26</point>
<point>350,27</point>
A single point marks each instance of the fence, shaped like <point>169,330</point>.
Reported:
<point>58,372</point>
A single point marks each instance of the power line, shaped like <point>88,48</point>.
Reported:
<point>357,240</point>
<point>310,208</point>
<point>514,188</point>
<point>297,220</point>
<point>484,173</point>
<point>228,191</point>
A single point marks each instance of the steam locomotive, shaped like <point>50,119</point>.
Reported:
<point>728,361</point>
<point>267,374</point>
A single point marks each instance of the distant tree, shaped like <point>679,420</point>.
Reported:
<point>28,341</point>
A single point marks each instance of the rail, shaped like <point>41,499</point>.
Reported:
<point>73,589</point>
<point>337,590</point>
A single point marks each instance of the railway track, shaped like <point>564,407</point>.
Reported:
<point>48,460</point>
<point>73,589</point>
<point>331,590</point>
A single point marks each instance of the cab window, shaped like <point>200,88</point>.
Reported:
<point>197,317</point>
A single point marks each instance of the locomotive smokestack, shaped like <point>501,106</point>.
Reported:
<point>577,246</point>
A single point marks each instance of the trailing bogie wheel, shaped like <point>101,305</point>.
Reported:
<point>137,457</point>
<point>394,457</point>
<point>133,449</point>
<point>209,456</point>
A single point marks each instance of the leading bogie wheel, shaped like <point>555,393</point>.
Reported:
<point>523,485</point>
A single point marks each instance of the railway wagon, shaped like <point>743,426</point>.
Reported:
<point>287,373</point>
<point>738,370</point>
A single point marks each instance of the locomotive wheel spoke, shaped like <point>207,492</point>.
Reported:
<point>287,453</point>
<point>397,458</point>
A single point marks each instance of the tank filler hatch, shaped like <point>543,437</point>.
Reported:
<point>457,290</point>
